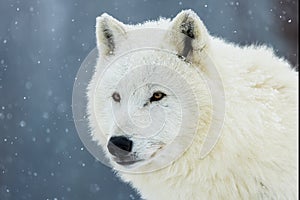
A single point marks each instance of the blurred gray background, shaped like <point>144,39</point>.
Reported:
<point>42,44</point>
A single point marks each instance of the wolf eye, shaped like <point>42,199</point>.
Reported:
<point>116,97</point>
<point>157,96</point>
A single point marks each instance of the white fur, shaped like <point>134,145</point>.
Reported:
<point>256,156</point>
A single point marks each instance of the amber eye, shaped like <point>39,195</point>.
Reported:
<point>157,96</point>
<point>116,97</point>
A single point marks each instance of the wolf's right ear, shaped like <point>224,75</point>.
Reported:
<point>108,30</point>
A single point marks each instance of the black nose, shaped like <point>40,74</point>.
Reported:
<point>119,146</point>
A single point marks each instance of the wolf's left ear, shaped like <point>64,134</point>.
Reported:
<point>108,31</point>
<point>188,35</point>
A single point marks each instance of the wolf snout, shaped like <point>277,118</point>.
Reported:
<point>119,146</point>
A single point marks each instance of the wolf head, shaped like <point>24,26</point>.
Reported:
<point>148,97</point>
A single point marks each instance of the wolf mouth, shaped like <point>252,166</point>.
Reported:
<point>124,163</point>
<point>126,160</point>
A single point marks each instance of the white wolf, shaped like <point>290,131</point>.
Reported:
<point>256,154</point>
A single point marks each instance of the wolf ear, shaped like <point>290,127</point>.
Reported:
<point>188,35</point>
<point>108,30</point>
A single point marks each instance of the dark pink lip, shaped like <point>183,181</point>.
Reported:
<point>124,163</point>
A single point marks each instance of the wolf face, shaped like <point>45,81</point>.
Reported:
<point>145,97</point>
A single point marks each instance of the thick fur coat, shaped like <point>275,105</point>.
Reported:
<point>256,154</point>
